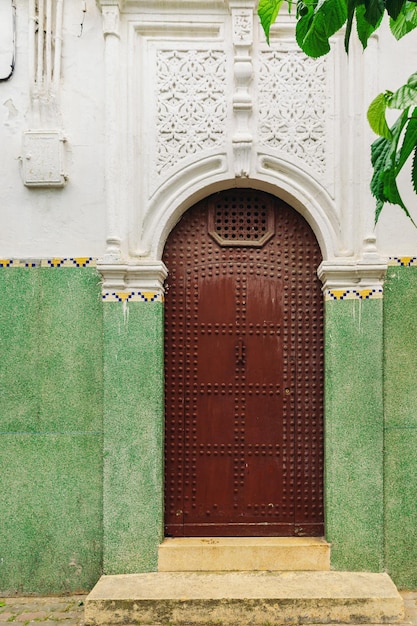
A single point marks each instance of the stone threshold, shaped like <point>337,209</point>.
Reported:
<point>194,554</point>
<point>244,599</point>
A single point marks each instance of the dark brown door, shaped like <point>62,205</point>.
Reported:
<point>244,371</point>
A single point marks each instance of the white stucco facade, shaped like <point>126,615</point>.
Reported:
<point>161,103</point>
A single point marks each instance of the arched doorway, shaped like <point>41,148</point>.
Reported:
<point>243,370</point>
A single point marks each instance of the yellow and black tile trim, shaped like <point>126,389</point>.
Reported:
<point>403,261</point>
<point>132,296</point>
<point>54,262</point>
<point>353,294</point>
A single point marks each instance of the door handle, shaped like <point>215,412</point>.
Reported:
<point>240,352</point>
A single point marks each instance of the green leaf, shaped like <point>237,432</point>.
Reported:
<point>351,6</point>
<point>406,20</point>
<point>318,24</point>
<point>268,11</point>
<point>387,162</point>
<point>412,81</point>
<point>414,170</point>
<point>380,150</point>
<point>374,10</point>
<point>376,116</point>
<point>363,27</point>
<point>394,7</point>
<point>409,141</point>
<point>404,97</point>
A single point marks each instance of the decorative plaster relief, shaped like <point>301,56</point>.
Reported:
<point>242,24</point>
<point>111,20</point>
<point>242,27</point>
<point>191,104</point>
<point>292,103</point>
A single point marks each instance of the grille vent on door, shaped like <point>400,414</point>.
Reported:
<point>236,219</point>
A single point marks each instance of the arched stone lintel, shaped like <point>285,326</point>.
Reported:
<point>277,177</point>
<point>340,269</point>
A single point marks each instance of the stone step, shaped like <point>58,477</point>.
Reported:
<point>196,554</point>
<point>244,599</point>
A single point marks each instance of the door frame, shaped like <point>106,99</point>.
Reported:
<point>132,509</point>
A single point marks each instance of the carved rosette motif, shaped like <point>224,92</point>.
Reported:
<point>293,105</point>
<point>192,106</point>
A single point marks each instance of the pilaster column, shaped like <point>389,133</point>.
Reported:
<point>353,409</point>
<point>111,22</point>
<point>242,25</point>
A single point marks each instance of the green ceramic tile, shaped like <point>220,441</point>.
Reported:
<point>400,344</point>
<point>19,331</point>
<point>71,348</point>
<point>354,434</point>
<point>401,506</point>
<point>51,520</point>
<point>133,448</point>
<point>51,350</point>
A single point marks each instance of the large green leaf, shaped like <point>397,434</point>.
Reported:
<point>268,11</point>
<point>318,24</point>
<point>412,81</point>
<point>351,6</point>
<point>363,27</point>
<point>404,97</point>
<point>388,161</point>
<point>409,142</point>
<point>376,116</point>
<point>394,7</point>
<point>406,20</point>
<point>380,150</point>
<point>374,10</point>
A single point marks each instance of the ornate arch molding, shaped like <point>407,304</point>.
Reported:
<point>339,270</point>
<point>275,176</point>
<point>243,161</point>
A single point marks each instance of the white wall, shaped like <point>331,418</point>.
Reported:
<point>72,221</point>
<point>68,222</point>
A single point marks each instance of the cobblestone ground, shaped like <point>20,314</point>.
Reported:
<point>69,610</point>
<point>54,611</point>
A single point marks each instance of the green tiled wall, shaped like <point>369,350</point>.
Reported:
<point>51,404</point>
<point>79,377</point>
<point>133,443</point>
<point>354,434</point>
<point>400,397</point>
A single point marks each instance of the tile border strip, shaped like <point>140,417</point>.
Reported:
<point>54,262</point>
<point>132,296</point>
<point>402,261</point>
<point>353,294</point>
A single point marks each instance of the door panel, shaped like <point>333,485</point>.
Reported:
<point>244,369</point>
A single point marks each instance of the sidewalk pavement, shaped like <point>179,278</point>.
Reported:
<point>69,610</point>
<point>51,611</point>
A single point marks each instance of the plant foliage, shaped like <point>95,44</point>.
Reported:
<point>317,21</point>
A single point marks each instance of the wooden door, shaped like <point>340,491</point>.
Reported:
<point>243,370</point>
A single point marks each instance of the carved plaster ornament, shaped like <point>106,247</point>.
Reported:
<point>242,24</point>
<point>293,109</point>
<point>191,104</point>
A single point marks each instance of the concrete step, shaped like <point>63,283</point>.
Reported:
<point>204,554</point>
<point>244,599</point>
